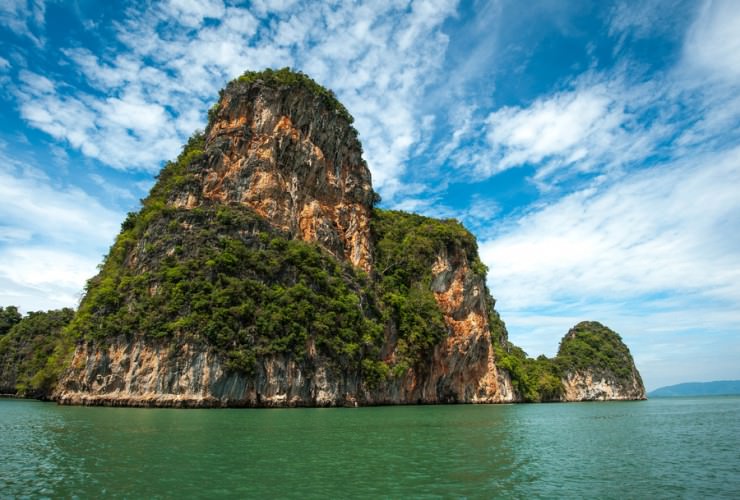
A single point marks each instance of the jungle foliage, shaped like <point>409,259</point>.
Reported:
<point>593,346</point>
<point>535,380</point>
<point>223,276</point>
<point>9,316</point>
<point>32,353</point>
<point>294,78</point>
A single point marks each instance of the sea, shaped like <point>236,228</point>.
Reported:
<point>660,448</point>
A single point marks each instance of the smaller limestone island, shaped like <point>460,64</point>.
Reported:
<point>259,272</point>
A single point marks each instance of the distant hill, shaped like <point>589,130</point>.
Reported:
<point>716,388</point>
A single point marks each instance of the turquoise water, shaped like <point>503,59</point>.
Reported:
<point>662,448</point>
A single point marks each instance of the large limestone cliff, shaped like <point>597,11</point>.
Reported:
<point>286,152</point>
<point>253,277</point>
<point>465,359</point>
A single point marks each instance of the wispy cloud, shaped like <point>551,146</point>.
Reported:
<point>713,42</point>
<point>565,128</point>
<point>23,17</point>
<point>378,57</point>
<point>601,124</point>
<point>646,19</point>
<point>110,189</point>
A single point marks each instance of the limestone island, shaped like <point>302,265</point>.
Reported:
<point>259,272</point>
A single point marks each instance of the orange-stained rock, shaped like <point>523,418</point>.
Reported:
<point>285,153</point>
<point>467,352</point>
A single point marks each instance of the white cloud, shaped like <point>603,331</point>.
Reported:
<point>648,19</point>
<point>603,125</point>
<point>668,228</point>
<point>40,278</point>
<point>111,189</point>
<point>22,17</point>
<point>124,132</point>
<point>713,43</point>
<point>600,125</point>
<point>65,215</point>
<point>192,13</point>
<point>560,126</point>
<point>51,238</point>
<point>37,84</point>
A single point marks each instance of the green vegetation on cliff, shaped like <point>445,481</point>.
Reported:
<point>535,380</point>
<point>9,316</point>
<point>592,346</point>
<point>222,276</point>
<point>32,352</point>
<point>406,246</point>
<point>296,79</point>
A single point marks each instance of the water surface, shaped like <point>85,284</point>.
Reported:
<point>662,448</point>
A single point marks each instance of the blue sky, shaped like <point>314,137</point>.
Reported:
<point>592,147</point>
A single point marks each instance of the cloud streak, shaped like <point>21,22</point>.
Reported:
<point>669,228</point>
<point>23,17</point>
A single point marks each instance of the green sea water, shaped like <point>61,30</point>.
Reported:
<point>662,448</point>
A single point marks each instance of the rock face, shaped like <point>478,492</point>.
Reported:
<point>465,357</point>
<point>589,386</point>
<point>598,365</point>
<point>285,152</point>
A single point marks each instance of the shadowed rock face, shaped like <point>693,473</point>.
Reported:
<point>285,152</point>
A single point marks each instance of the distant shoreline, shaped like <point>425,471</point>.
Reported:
<point>714,388</point>
<point>675,396</point>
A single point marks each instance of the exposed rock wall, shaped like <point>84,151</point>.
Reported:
<point>590,386</point>
<point>464,361</point>
<point>285,153</point>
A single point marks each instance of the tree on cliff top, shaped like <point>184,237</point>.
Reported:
<point>9,316</point>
